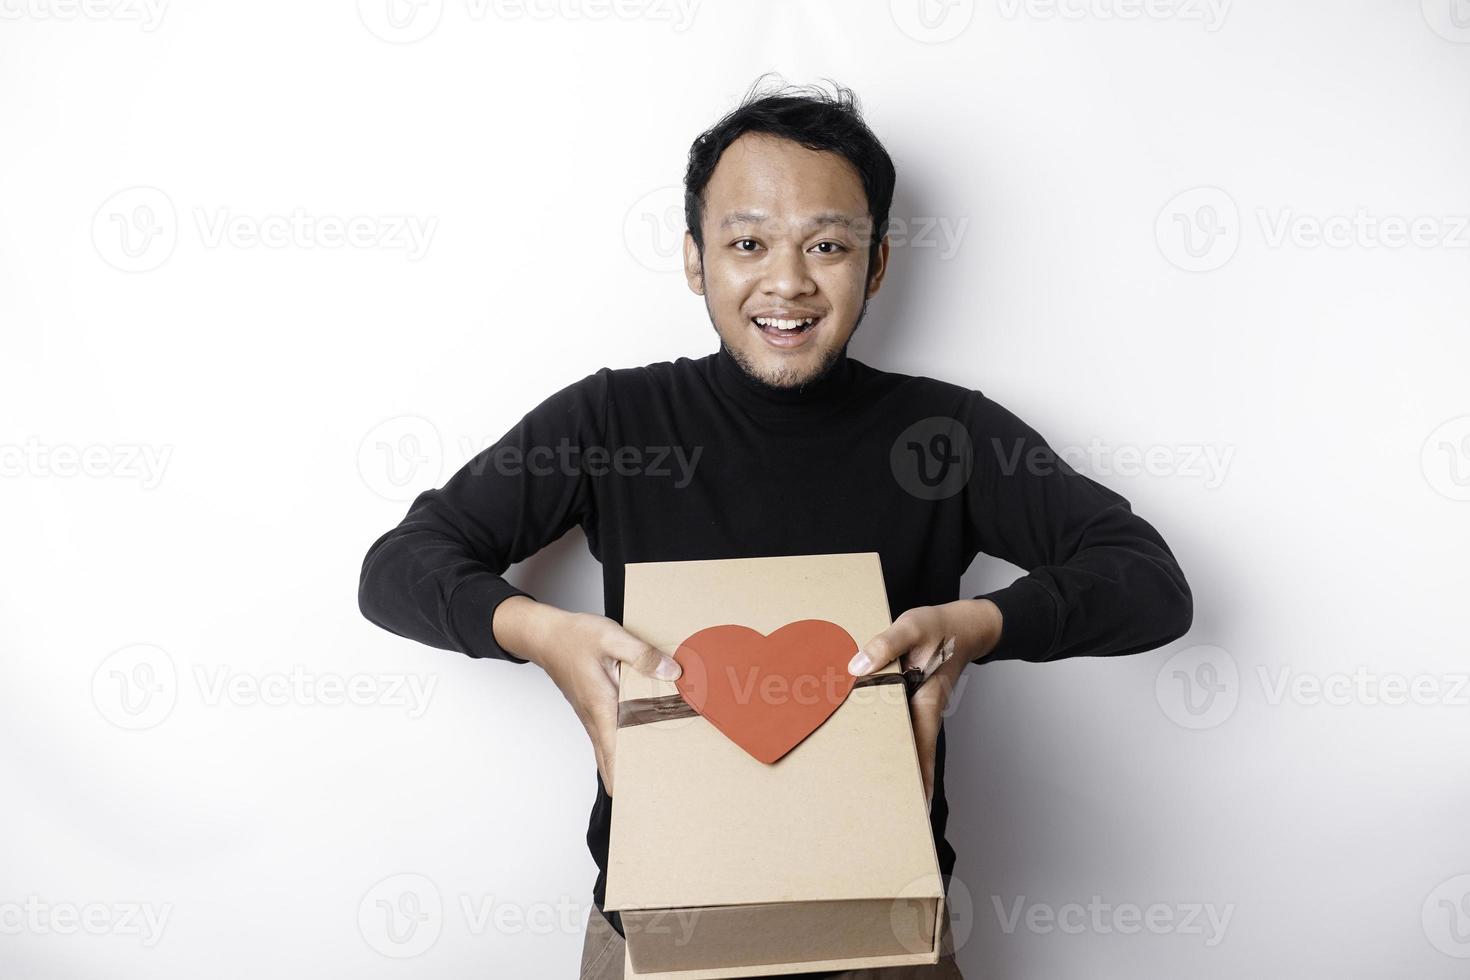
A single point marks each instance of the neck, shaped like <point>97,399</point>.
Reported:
<point>828,389</point>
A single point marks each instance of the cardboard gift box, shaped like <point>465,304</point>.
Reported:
<point>746,842</point>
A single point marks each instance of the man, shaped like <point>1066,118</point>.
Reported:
<point>796,448</point>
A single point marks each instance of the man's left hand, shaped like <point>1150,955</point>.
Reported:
<point>917,637</point>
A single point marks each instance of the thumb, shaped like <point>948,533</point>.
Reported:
<point>646,659</point>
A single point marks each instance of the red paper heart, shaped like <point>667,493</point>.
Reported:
<point>767,693</point>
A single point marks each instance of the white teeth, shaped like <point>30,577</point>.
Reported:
<point>766,321</point>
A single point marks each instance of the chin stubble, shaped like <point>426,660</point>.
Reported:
<point>829,360</point>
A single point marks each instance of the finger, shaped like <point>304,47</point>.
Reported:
<point>604,717</point>
<point>926,739</point>
<point>643,658</point>
<point>886,646</point>
<point>920,656</point>
<point>604,770</point>
<point>933,694</point>
<point>931,656</point>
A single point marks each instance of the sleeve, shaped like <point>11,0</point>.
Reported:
<point>1100,580</point>
<point>438,576</point>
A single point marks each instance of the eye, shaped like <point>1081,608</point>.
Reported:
<point>739,241</point>
<point>838,246</point>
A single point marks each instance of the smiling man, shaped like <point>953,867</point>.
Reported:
<point>801,449</point>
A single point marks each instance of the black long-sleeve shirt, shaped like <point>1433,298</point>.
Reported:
<point>690,459</point>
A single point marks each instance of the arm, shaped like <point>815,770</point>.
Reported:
<point>437,577</point>
<point>1100,580</point>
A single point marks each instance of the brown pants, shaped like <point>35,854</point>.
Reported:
<point>604,951</point>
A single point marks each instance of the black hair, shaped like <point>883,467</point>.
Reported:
<point>808,115</point>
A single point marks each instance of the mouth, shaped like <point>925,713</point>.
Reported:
<point>786,332</point>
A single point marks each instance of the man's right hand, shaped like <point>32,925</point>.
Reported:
<point>581,653</point>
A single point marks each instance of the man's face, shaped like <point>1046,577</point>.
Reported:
<point>786,237</point>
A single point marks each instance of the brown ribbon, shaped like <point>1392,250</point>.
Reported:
<point>641,711</point>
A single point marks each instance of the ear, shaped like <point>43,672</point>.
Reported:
<point>880,266</point>
<point>693,265</point>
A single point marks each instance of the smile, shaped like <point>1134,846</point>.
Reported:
<point>784,332</point>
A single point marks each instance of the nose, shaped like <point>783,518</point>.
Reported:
<point>786,273</point>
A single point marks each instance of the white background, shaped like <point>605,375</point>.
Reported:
<point>202,432</point>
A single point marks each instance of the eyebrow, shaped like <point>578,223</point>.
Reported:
<point>817,220</point>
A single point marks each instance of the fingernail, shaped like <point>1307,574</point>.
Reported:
<point>668,669</point>
<point>859,664</point>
